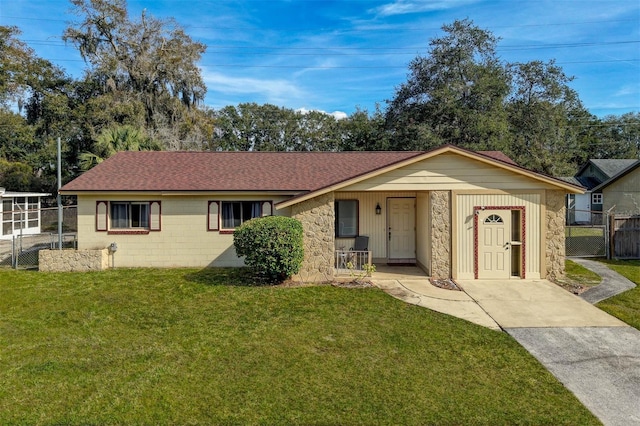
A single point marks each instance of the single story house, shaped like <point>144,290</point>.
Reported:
<point>20,212</point>
<point>453,212</point>
<point>596,175</point>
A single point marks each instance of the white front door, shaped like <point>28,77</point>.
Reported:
<point>402,228</point>
<point>494,244</point>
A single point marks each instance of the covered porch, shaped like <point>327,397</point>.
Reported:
<point>401,227</point>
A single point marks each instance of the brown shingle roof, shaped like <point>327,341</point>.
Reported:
<point>499,155</point>
<point>230,171</point>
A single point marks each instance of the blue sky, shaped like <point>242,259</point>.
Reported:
<point>337,56</point>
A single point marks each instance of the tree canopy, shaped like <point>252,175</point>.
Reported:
<point>142,89</point>
<point>153,60</point>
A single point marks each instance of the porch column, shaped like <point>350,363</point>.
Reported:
<point>555,236</point>
<point>318,220</point>
<point>440,211</point>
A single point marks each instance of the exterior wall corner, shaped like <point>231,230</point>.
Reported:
<point>318,220</point>
<point>555,234</point>
<point>440,210</point>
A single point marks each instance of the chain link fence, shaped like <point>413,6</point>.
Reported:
<point>20,250</point>
<point>590,237</point>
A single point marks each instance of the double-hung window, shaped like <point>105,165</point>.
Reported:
<point>125,215</point>
<point>228,215</point>
<point>346,214</point>
<point>128,216</point>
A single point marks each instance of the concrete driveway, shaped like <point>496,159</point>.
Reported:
<point>593,354</point>
<point>535,303</point>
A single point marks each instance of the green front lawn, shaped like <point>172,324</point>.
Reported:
<point>184,347</point>
<point>625,306</point>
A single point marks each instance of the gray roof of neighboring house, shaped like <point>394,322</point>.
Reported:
<point>584,181</point>
<point>630,168</point>
<point>612,167</point>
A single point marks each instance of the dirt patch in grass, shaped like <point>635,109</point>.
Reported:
<point>572,286</point>
<point>578,279</point>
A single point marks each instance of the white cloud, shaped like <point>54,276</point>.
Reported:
<point>338,115</point>
<point>275,90</point>
<point>626,90</point>
<point>402,7</point>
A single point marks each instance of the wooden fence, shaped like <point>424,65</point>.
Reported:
<point>625,237</point>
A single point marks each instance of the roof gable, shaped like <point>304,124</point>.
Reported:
<point>635,164</point>
<point>605,168</point>
<point>446,149</point>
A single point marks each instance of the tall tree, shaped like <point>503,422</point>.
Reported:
<point>253,127</point>
<point>546,117</point>
<point>363,132</point>
<point>153,59</point>
<point>29,87</point>
<point>454,95</point>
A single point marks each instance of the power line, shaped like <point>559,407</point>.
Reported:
<point>363,28</point>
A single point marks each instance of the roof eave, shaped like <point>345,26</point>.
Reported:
<point>429,154</point>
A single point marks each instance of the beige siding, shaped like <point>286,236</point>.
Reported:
<point>182,241</point>
<point>371,224</point>
<point>623,194</point>
<point>448,172</point>
<point>463,243</point>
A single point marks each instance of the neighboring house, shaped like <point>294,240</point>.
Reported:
<point>595,175</point>
<point>453,212</point>
<point>621,193</point>
<point>20,212</point>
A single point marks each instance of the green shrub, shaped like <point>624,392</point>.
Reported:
<point>271,245</point>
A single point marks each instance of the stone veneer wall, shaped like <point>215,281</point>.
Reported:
<point>440,234</point>
<point>555,236</point>
<point>318,220</point>
<point>73,260</point>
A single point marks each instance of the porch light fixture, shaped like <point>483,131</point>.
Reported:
<point>378,208</point>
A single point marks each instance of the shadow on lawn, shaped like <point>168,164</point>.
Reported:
<point>239,277</point>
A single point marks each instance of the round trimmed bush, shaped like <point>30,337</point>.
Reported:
<point>271,245</point>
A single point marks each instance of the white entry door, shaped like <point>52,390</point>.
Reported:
<point>402,228</point>
<point>494,244</point>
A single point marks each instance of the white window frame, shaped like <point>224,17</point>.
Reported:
<point>596,198</point>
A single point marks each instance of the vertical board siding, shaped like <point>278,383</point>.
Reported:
<point>464,219</point>
<point>371,224</point>
<point>448,172</point>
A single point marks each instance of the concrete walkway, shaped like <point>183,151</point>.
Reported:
<point>612,282</point>
<point>422,293</point>
<point>592,353</point>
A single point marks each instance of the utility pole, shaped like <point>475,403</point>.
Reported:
<point>59,197</point>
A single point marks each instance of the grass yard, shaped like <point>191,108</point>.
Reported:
<point>583,231</point>
<point>147,346</point>
<point>578,278</point>
<point>625,306</point>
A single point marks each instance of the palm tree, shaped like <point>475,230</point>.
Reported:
<point>116,138</point>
